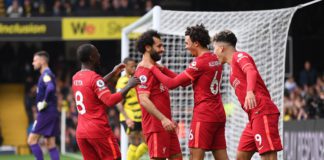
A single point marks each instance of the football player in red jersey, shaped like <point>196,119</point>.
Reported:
<point>158,127</point>
<point>207,131</point>
<point>261,133</point>
<point>94,135</point>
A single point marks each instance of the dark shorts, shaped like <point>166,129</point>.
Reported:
<point>137,127</point>
<point>47,125</point>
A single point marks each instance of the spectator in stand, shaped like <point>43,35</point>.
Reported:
<point>28,9</point>
<point>57,8</point>
<point>290,84</point>
<point>106,7</point>
<point>15,10</point>
<point>81,8</point>
<point>148,5</point>
<point>307,76</point>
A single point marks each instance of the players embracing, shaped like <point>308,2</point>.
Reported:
<point>207,131</point>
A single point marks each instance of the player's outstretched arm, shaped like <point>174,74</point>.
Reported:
<point>150,107</point>
<point>112,99</point>
<point>167,71</point>
<point>116,71</point>
<point>171,83</point>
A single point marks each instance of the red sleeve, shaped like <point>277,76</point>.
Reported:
<point>146,79</point>
<point>168,72</point>
<point>171,83</point>
<point>103,93</point>
<point>246,64</point>
<point>194,70</point>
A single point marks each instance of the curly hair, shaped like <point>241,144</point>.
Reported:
<point>198,34</point>
<point>226,36</point>
<point>146,39</point>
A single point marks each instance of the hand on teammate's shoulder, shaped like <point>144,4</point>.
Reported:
<point>133,81</point>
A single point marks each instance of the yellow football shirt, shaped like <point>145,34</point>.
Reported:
<point>131,105</point>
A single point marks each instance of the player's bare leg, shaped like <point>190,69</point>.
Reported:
<point>269,155</point>
<point>197,154</point>
<point>50,142</point>
<point>242,155</point>
<point>34,146</point>
<point>33,138</point>
<point>220,154</point>
<point>176,157</point>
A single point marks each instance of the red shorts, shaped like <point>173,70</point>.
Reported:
<point>162,144</point>
<point>99,148</point>
<point>261,135</point>
<point>207,135</point>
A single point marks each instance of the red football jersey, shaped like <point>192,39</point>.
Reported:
<point>88,87</point>
<point>205,72</point>
<point>159,95</point>
<point>239,82</point>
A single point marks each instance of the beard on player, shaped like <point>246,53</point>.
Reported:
<point>156,56</point>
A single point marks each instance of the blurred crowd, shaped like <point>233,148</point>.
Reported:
<point>31,8</point>
<point>304,99</point>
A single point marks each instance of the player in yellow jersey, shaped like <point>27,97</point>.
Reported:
<point>130,114</point>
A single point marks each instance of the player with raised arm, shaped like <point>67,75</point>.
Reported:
<point>131,114</point>
<point>158,127</point>
<point>207,131</point>
<point>47,121</point>
<point>261,134</point>
<point>94,135</point>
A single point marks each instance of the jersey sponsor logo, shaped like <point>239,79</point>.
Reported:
<point>162,88</point>
<point>143,79</point>
<point>46,78</point>
<point>214,63</point>
<point>142,86</point>
<point>101,84</point>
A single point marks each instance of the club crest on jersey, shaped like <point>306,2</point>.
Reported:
<point>101,84</point>
<point>143,78</point>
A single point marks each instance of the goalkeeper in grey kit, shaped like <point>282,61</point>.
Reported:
<point>47,122</point>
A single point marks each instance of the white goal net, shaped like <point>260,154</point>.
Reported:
<point>262,34</point>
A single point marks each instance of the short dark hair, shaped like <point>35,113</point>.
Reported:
<point>226,36</point>
<point>84,51</point>
<point>43,54</point>
<point>146,39</point>
<point>126,60</point>
<point>198,33</point>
